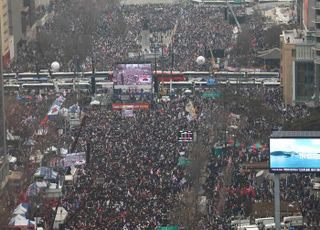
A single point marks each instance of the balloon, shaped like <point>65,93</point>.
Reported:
<point>55,66</point>
<point>200,60</point>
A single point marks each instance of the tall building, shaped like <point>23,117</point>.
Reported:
<point>297,67</point>
<point>5,32</point>
<point>317,49</point>
<point>4,165</point>
<point>305,14</point>
<point>15,25</point>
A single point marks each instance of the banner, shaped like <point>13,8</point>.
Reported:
<point>127,113</point>
<point>130,106</point>
<point>74,159</point>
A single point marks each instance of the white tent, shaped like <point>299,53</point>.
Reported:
<point>95,102</point>
<point>63,151</point>
<point>60,217</point>
<point>52,149</point>
<point>21,209</point>
<point>12,159</point>
<point>21,221</point>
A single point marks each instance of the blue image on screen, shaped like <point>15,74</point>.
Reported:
<point>295,153</point>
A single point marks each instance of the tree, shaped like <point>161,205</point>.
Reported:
<point>71,33</point>
<point>272,37</point>
<point>244,47</point>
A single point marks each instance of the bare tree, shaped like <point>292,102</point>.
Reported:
<point>244,46</point>
<point>271,37</point>
<point>72,32</point>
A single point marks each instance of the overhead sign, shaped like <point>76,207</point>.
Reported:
<point>212,95</point>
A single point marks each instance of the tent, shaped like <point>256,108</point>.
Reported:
<point>183,161</point>
<point>29,142</point>
<point>35,188</point>
<point>95,102</point>
<point>21,209</point>
<point>46,173</point>
<point>22,222</point>
<point>52,149</point>
<point>60,217</point>
<point>12,159</point>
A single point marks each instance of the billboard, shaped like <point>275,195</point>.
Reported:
<point>295,154</point>
<point>132,75</point>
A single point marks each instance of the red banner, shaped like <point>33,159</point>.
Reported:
<point>133,106</point>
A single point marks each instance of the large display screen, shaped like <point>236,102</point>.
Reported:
<point>132,74</point>
<point>295,154</point>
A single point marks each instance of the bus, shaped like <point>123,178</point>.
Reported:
<point>167,76</point>
<point>263,75</point>
<point>11,87</point>
<point>9,76</point>
<point>293,221</point>
<point>100,75</point>
<point>65,75</point>
<point>197,76</point>
<point>32,79</point>
<point>38,86</point>
<point>32,75</point>
<point>177,85</point>
<point>82,86</point>
<point>104,85</point>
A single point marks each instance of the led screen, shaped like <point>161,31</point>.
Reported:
<point>133,74</point>
<point>294,154</point>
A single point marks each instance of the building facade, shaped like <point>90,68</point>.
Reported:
<point>5,32</point>
<point>15,24</point>
<point>317,49</point>
<point>297,67</point>
<point>4,164</point>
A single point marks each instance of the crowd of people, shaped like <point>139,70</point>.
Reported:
<point>136,162</point>
<point>106,36</point>
<point>133,179</point>
<point>132,176</point>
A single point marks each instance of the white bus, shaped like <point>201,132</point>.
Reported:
<point>37,86</point>
<point>293,221</point>
<point>264,221</point>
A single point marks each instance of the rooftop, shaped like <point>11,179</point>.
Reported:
<point>294,37</point>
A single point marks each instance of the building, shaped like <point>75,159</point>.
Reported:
<point>15,8</point>
<point>297,66</point>
<point>305,14</point>
<point>5,32</point>
<point>317,49</point>
<point>4,165</point>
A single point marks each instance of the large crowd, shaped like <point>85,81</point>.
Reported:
<point>117,34</point>
<point>136,158</point>
<point>133,179</point>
